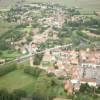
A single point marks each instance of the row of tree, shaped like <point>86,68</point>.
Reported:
<point>15,95</point>
<point>85,92</point>
<point>4,69</point>
<point>34,71</point>
<point>20,95</point>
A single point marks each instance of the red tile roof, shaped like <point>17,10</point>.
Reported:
<point>88,80</point>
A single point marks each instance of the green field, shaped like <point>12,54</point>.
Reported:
<point>87,5</point>
<point>16,80</point>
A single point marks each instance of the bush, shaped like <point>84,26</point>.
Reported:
<point>4,69</point>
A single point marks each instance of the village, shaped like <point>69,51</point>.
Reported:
<point>48,29</point>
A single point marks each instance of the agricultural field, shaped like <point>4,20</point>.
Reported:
<point>86,5</point>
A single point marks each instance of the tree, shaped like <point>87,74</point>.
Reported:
<point>16,95</point>
<point>1,53</point>
<point>85,88</point>
<point>35,72</point>
<point>4,69</point>
<point>98,90</point>
<point>29,39</point>
<point>4,45</point>
<point>38,59</point>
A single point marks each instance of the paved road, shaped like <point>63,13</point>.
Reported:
<point>26,57</point>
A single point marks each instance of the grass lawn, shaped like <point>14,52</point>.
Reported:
<point>29,88</point>
<point>16,80</point>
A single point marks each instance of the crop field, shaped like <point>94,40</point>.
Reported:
<point>86,5</point>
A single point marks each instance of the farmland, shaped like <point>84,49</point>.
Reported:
<point>86,5</point>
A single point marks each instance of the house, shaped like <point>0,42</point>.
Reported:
<point>35,31</point>
<point>77,86</point>
<point>74,81</point>
<point>89,58</point>
<point>74,60</point>
<point>68,86</point>
<point>75,72</point>
<point>60,73</point>
<point>50,70</point>
<point>47,57</point>
<point>91,72</point>
<point>90,81</point>
<point>83,55</point>
<point>23,50</point>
